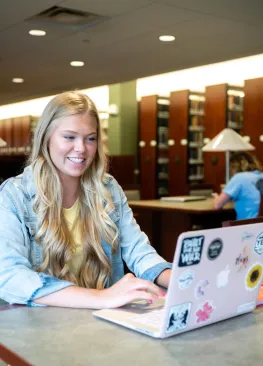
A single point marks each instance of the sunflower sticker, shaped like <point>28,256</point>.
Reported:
<point>254,276</point>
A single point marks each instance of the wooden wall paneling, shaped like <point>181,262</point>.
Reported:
<point>26,121</point>
<point>253,114</point>
<point>214,122</point>
<point>3,150</point>
<point>178,130</point>
<point>147,133</point>
<point>17,134</point>
<point>3,129</point>
<point>122,168</point>
<point>8,132</point>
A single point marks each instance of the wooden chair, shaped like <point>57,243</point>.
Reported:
<point>259,186</point>
<point>242,222</point>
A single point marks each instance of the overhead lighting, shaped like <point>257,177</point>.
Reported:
<point>18,80</point>
<point>77,63</point>
<point>35,32</point>
<point>166,38</point>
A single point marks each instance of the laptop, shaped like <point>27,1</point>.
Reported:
<point>183,198</point>
<point>216,275</point>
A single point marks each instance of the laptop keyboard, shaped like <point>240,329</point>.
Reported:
<point>153,318</point>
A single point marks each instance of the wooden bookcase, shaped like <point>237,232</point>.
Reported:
<point>17,133</point>
<point>186,127</point>
<point>153,146</point>
<point>223,108</point>
<point>253,114</point>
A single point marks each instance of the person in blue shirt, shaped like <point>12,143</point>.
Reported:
<point>66,227</point>
<point>245,172</point>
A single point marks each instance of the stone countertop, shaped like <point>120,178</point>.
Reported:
<point>60,336</point>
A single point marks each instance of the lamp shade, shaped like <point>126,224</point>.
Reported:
<point>2,143</point>
<point>228,140</point>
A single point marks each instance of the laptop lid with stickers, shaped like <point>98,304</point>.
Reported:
<point>216,274</point>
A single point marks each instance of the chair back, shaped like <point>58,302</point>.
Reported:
<point>242,222</point>
<point>259,186</point>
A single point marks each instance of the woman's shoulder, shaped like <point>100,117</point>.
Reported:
<point>18,185</point>
<point>113,187</point>
<point>109,181</point>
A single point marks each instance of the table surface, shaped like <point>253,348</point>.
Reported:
<point>60,336</point>
<point>192,206</point>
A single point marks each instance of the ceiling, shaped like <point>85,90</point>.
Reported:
<point>124,46</point>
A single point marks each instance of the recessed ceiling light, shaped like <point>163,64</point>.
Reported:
<point>18,80</point>
<point>35,32</point>
<point>77,63</point>
<point>166,38</point>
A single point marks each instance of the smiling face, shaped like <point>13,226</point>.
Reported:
<point>73,145</point>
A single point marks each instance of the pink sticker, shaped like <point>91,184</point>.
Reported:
<point>204,312</point>
<point>242,259</point>
<point>200,288</point>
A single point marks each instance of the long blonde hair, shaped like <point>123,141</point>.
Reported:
<point>95,201</point>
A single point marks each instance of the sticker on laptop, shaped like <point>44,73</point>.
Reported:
<point>204,312</point>
<point>214,249</point>
<point>191,251</point>
<point>178,317</point>
<point>246,236</point>
<point>254,277</point>
<point>185,279</point>
<point>258,247</point>
<point>222,277</point>
<point>242,259</point>
<point>248,306</point>
<point>201,288</point>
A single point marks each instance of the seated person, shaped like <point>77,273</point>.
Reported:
<point>245,170</point>
<point>66,226</point>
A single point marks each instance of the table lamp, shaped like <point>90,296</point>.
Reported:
<point>228,140</point>
<point>2,143</point>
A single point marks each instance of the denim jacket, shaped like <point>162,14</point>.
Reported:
<point>20,256</point>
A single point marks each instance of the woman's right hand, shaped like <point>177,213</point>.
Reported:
<point>129,289</point>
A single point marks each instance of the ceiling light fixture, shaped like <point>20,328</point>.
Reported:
<point>17,80</point>
<point>166,38</point>
<point>35,32</point>
<point>77,63</point>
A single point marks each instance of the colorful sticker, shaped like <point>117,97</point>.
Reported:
<point>214,249</point>
<point>259,244</point>
<point>260,296</point>
<point>185,280</point>
<point>222,277</point>
<point>204,312</point>
<point>242,259</point>
<point>200,288</point>
<point>244,308</point>
<point>254,276</point>
<point>246,236</point>
<point>178,317</point>
<point>191,251</point>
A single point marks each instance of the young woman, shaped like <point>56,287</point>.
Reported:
<point>241,188</point>
<point>66,227</point>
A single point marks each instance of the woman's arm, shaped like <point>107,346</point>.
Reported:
<point>221,200</point>
<point>128,289</point>
<point>141,258</point>
<point>164,278</point>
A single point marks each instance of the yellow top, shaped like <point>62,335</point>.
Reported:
<point>71,215</point>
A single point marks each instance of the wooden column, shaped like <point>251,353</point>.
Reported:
<point>147,153</point>
<point>214,122</point>
<point>253,114</point>
<point>178,130</point>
